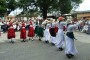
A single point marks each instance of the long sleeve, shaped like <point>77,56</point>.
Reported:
<point>77,24</point>
<point>71,28</point>
<point>61,24</point>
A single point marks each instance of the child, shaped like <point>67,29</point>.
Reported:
<point>23,32</point>
<point>31,31</point>
<point>11,33</point>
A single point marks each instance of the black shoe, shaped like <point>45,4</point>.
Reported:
<point>29,38</point>
<point>32,39</point>
<point>46,42</point>
<point>52,44</point>
<point>69,55</point>
<point>23,41</point>
<point>12,41</point>
<point>39,39</point>
<point>61,49</point>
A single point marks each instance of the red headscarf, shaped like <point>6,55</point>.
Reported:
<point>60,18</point>
<point>30,23</point>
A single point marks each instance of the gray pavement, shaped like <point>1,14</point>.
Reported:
<point>36,50</point>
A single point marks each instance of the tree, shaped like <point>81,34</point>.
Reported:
<point>11,5</point>
<point>3,7</point>
<point>6,6</point>
<point>45,6</point>
<point>67,5</point>
<point>28,7</point>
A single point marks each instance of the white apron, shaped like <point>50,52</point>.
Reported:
<point>70,47</point>
<point>60,40</point>
<point>47,35</point>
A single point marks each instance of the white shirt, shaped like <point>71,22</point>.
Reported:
<point>60,26</point>
<point>71,28</point>
<point>14,26</point>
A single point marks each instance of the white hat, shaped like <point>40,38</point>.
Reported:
<point>68,21</point>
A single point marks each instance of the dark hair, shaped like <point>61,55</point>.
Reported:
<point>84,17</point>
<point>59,21</point>
<point>68,24</point>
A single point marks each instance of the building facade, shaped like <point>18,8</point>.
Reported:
<point>86,14</point>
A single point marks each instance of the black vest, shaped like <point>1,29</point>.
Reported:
<point>52,31</point>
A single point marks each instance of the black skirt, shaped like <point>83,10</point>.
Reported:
<point>52,32</point>
<point>70,35</point>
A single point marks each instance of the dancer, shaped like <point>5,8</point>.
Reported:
<point>70,49</point>
<point>40,32</point>
<point>60,39</point>
<point>23,32</point>
<point>31,31</point>
<point>11,32</point>
<point>47,33</point>
<point>53,32</point>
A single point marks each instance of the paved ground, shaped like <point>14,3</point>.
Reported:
<point>36,50</point>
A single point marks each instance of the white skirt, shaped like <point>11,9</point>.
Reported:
<point>47,35</point>
<point>60,39</point>
<point>70,47</point>
<point>53,40</point>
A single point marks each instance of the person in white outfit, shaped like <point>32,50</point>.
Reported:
<point>52,32</point>
<point>85,28</point>
<point>70,49</point>
<point>47,33</point>
<point>60,39</point>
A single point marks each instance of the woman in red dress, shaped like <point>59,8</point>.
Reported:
<point>31,31</point>
<point>11,32</point>
<point>23,32</point>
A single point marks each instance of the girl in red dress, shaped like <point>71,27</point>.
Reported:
<point>31,31</point>
<point>23,32</point>
<point>11,32</point>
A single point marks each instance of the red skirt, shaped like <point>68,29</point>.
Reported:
<point>11,33</point>
<point>23,33</point>
<point>31,32</point>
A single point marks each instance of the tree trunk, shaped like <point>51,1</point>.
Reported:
<point>44,12</point>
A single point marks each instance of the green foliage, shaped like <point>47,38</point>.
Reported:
<point>6,6</point>
<point>11,5</point>
<point>46,6</point>
<point>24,3</point>
<point>65,6</point>
<point>77,1</point>
<point>2,7</point>
<point>49,4</point>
